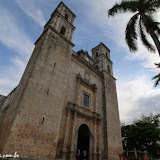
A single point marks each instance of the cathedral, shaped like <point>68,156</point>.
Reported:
<point>66,101</point>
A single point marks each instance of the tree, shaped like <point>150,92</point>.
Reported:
<point>142,23</point>
<point>157,77</point>
<point>143,134</point>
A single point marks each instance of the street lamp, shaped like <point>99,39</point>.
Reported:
<point>125,144</point>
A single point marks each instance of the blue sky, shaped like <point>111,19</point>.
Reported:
<point>22,21</point>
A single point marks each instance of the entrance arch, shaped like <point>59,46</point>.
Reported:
<point>83,141</point>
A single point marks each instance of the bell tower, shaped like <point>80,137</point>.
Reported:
<point>62,21</point>
<point>40,98</point>
<point>101,58</point>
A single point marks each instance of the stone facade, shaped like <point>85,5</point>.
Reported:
<point>2,99</point>
<point>65,101</point>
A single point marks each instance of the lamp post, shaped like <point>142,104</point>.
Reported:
<point>125,144</point>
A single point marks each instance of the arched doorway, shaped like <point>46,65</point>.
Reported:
<point>83,141</point>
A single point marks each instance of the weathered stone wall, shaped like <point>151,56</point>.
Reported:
<point>12,110</point>
<point>36,126</point>
<point>45,112</point>
<point>5,104</point>
<point>77,67</point>
<point>2,98</point>
<point>68,132</point>
<point>113,123</point>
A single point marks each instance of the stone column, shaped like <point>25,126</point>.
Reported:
<point>95,140</point>
<point>65,149</point>
<point>57,23</point>
<point>69,33</point>
<point>63,9</point>
<point>77,88</point>
<point>73,141</point>
<point>99,146</point>
<point>94,125</point>
<point>91,149</point>
<point>95,100</point>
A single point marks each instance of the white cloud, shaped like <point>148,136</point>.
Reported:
<point>20,64</point>
<point>11,75</point>
<point>145,58</point>
<point>31,9</point>
<point>12,36</point>
<point>135,97</point>
<point>18,41</point>
<point>114,28</point>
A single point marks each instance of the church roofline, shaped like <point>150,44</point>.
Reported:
<point>82,61</point>
<point>103,45</point>
<point>56,11</point>
<point>66,7</point>
<point>62,17</point>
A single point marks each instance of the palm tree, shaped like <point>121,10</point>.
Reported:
<point>157,77</point>
<point>142,23</point>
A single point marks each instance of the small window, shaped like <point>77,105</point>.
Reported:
<point>42,120</point>
<point>66,16</point>
<point>106,55</point>
<point>96,54</point>
<point>63,30</point>
<point>86,100</point>
<point>96,66</point>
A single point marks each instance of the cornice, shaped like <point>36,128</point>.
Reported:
<point>53,29</point>
<point>88,65</point>
<point>87,83</point>
<point>75,108</point>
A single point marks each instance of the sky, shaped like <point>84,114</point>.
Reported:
<point>22,21</point>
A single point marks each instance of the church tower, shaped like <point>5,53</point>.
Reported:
<point>111,124</point>
<point>32,122</point>
<point>101,58</point>
<point>66,101</point>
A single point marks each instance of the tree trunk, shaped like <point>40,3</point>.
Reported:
<point>155,39</point>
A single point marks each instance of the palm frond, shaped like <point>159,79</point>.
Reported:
<point>148,22</point>
<point>156,27</point>
<point>143,37</point>
<point>148,6</point>
<point>131,34</point>
<point>158,65</point>
<point>124,6</point>
<point>154,4</point>
<point>157,77</point>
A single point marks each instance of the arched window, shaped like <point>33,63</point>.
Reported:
<point>63,30</point>
<point>109,71</point>
<point>106,55</point>
<point>66,16</point>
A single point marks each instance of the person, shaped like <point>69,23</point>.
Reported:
<point>145,157</point>
<point>78,154</point>
<point>85,155</point>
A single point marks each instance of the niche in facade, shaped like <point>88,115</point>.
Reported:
<point>63,30</point>
<point>66,16</point>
